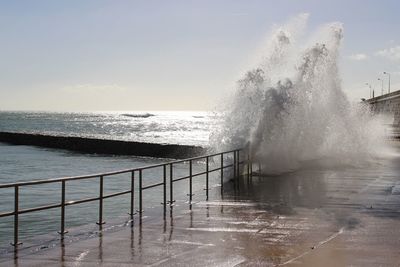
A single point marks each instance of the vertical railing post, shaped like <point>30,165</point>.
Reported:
<point>100,222</point>
<point>222,173</point>
<point>62,231</point>
<point>234,166</point>
<point>248,164</point>
<point>132,194</point>
<point>16,211</point>
<point>238,163</point>
<point>165,188</point>
<point>140,193</point>
<point>207,177</point>
<point>171,185</point>
<point>190,181</point>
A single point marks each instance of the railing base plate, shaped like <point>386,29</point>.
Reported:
<point>62,233</point>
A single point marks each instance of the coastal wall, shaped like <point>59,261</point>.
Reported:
<point>102,146</point>
<point>388,105</point>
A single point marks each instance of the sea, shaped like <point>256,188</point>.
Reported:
<point>28,163</point>
<point>161,127</point>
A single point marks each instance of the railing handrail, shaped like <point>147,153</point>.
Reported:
<point>97,175</point>
<point>235,165</point>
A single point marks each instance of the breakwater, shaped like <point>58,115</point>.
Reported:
<point>102,146</point>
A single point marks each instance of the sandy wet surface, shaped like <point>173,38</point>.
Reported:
<point>312,217</point>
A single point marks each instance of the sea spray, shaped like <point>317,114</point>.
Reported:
<point>291,108</point>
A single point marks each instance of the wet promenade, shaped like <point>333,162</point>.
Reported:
<point>323,216</point>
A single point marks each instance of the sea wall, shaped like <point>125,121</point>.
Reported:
<point>102,146</point>
<point>388,105</point>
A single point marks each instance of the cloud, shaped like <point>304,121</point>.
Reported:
<point>392,53</point>
<point>358,57</point>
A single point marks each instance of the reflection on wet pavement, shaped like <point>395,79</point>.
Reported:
<point>314,217</point>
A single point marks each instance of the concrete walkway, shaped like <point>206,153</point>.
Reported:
<point>312,217</point>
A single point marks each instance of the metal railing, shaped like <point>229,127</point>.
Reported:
<point>235,165</point>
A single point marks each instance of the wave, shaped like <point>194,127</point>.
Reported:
<point>139,115</point>
<point>291,108</point>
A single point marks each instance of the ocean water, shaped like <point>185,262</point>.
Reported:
<point>172,127</point>
<point>26,163</point>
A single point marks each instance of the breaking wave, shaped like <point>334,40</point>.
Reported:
<point>141,115</point>
<point>291,108</point>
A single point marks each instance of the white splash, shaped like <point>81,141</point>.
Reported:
<point>291,108</point>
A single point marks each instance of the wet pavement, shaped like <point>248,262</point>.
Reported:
<point>312,217</point>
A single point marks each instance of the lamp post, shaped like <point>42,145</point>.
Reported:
<point>388,74</point>
<point>379,79</point>
<point>370,89</point>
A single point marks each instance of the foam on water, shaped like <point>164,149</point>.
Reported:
<point>291,108</point>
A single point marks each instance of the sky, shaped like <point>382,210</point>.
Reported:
<point>169,54</point>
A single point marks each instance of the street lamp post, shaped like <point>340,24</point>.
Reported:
<point>388,74</point>
<point>370,89</point>
<point>379,79</point>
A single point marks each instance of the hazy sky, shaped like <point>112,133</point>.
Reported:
<point>170,55</point>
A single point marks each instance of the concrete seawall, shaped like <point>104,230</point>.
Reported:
<point>102,146</point>
<point>389,106</point>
